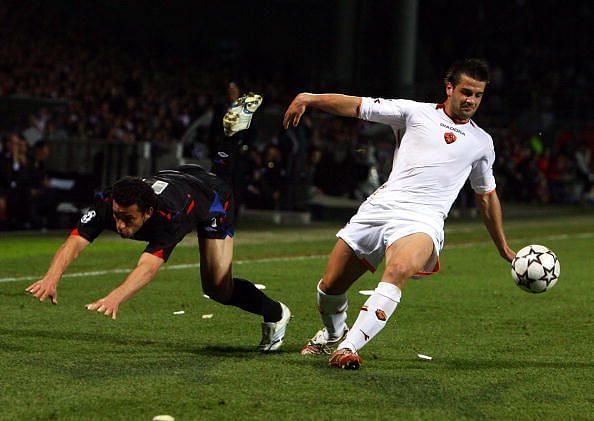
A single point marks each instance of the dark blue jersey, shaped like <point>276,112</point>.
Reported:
<point>187,198</point>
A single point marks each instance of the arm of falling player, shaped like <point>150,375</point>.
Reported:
<point>47,287</point>
<point>146,269</point>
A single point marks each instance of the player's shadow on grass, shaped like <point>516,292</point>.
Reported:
<point>158,344</point>
<point>234,351</point>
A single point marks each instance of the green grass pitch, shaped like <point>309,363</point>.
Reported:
<point>498,352</point>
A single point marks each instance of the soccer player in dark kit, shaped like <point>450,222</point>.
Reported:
<point>161,210</point>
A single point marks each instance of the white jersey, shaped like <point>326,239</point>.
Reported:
<point>435,158</point>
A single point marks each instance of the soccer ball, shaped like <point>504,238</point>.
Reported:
<point>535,268</point>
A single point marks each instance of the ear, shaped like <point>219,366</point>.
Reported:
<point>449,89</point>
<point>149,212</point>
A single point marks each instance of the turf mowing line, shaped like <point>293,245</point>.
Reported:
<point>276,259</point>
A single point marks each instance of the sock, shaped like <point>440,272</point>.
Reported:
<point>333,312</point>
<point>373,316</point>
<point>224,158</point>
<point>249,298</point>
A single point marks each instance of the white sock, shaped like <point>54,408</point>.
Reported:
<point>373,316</point>
<point>333,312</point>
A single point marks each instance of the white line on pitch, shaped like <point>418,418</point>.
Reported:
<point>274,259</point>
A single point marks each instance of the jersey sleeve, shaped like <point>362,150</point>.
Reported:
<point>160,249</point>
<point>482,179</point>
<point>94,221</point>
<point>392,112</point>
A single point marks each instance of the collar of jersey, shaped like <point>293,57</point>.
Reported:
<point>455,120</point>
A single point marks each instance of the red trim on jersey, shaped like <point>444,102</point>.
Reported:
<point>191,207</point>
<point>226,205</point>
<point>75,231</point>
<point>159,253</point>
<point>455,120</point>
<point>165,214</point>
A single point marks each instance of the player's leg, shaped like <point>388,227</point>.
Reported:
<point>404,258</point>
<point>216,256</point>
<point>342,270</point>
<point>235,121</point>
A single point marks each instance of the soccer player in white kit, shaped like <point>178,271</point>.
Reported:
<point>403,219</point>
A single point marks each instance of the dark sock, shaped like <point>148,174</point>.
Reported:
<point>249,298</point>
<point>224,159</point>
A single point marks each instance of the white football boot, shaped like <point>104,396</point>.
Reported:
<point>240,114</point>
<point>273,333</point>
<point>320,345</point>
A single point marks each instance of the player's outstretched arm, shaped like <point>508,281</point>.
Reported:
<point>66,254</point>
<point>146,269</point>
<point>493,219</point>
<point>337,104</point>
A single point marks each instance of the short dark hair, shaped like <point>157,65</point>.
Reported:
<point>475,68</point>
<point>132,190</point>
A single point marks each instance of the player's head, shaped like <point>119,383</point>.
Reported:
<point>465,81</point>
<point>133,204</point>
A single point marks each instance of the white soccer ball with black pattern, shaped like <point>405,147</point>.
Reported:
<point>535,268</point>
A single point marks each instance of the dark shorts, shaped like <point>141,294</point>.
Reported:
<point>220,222</point>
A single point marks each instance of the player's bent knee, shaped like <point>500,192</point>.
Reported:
<point>397,273</point>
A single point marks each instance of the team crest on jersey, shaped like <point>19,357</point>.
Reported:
<point>449,137</point>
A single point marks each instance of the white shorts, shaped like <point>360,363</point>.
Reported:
<point>372,230</point>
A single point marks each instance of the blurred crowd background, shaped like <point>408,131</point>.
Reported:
<point>92,92</point>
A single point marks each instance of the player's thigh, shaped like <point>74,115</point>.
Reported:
<point>216,257</point>
<point>342,270</point>
<point>407,256</point>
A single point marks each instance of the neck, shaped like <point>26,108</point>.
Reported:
<point>447,110</point>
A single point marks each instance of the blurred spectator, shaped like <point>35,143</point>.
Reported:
<point>584,175</point>
<point>15,182</point>
<point>268,180</point>
<point>561,179</point>
<point>44,198</point>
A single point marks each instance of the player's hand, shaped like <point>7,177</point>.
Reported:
<point>294,112</point>
<point>108,306</point>
<point>508,254</point>
<point>43,289</point>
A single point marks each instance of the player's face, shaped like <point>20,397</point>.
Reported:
<point>464,98</point>
<point>129,219</point>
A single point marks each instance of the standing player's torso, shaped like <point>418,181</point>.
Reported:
<point>434,160</point>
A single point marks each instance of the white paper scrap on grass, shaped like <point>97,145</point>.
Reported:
<point>207,316</point>
<point>260,286</point>
<point>424,357</point>
<point>177,313</point>
<point>366,292</point>
<point>206,296</point>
